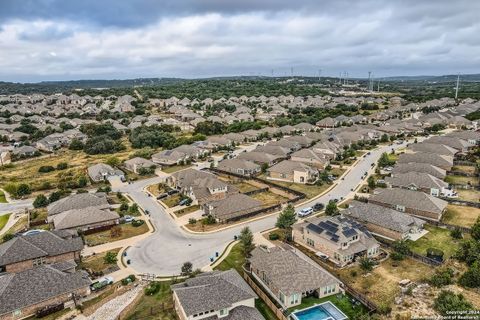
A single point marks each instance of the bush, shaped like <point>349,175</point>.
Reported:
<point>124,207</point>
<point>62,166</point>
<point>45,169</point>
<point>447,302</point>
<point>54,196</point>
<point>23,190</point>
<point>442,278</point>
<point>192,221</point>
<point>7,237</point>
<point>40,201</point>
<point>456,233</point>
<point>131,278</point>
<point>273,236</point>
<point>137,223</point>
<point>152,288</point>
<point>110,257</point>
<point>209,220</point>
<point>471,278</point>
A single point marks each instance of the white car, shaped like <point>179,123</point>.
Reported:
<point>128,219</point>
<point>305,212</point>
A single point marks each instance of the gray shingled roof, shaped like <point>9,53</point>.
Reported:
<point>288,272</point>
<point>440,149</point>
<point>212,291</point>
<point>411,199</point>
<point>417,179</point>
<point>234,205</point>
<point>81,217</point>
<point>288,167</point>
<point>37,245</point>
<point>437,172</point>
<point>78,201</point>
<point>29,287</point>
<point>234,164</point>
<point>382,216</point>
<point>241,313</point>
<point>423,157</point>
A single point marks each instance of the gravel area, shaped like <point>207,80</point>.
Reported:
<point>112,309</point>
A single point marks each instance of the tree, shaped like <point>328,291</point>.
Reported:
<point>40,201</point>
<point>187,269</point>
<point>471,277</point>
<point>102,145</point>
<point>54,196</point>
<point>113,161</point>
<point>82,181</point>
<point>331,209</point>
<point>448,301</point>
<point>246,241</point>
<point>442,277</point>
<point>62,166</point>
<point>384,160</point>
<point>7,237</point>
<point>124,207</point>
<point>133,208</point>
<point>456,233</point>
<point>110,257</point>
<point>475,231</point>
<point>371,182</point>
<point>401,249</point>
<point>366,264</point>
<point>76,144</point>
<point>286,219</point>
<point>384,138</point>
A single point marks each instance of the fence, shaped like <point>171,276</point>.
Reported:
<point>277,311</point>
<point>413,255</point>
<point>464,163</point>
<point>461,202</point>
<point>249,193</point>
<point>461,173</point>
<point>448,226</point>
<point>254,213</point>
<point>465,186</point>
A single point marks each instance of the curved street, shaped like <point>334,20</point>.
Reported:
<point>163,252</point>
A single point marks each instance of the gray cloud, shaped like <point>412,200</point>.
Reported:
<point>46,39</point>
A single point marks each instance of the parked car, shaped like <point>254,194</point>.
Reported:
<point>173,191</point>
<point>101,283</point>
<point>161,196</point>
<point>318,206</point>
<point>305,212</point>
<point>127,219</point>
<point>185,202</point>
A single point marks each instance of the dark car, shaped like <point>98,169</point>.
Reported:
<point>163,195</point>
<point>318,206</point>
<point>173,191</point>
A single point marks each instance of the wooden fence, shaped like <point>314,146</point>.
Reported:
<point>277,311</point>
<point>448,226</point>
<point>413,255</point>
<point>461,202</point>
<point>464,163</point>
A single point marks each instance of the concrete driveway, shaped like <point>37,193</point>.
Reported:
<point>163,252</point>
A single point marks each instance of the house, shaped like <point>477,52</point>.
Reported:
<point>169,157</point>
<point>215,295</point>
<point>453,142</point>
<point>239,166</point>
<point>232,207</point>
<point>443,162</point>
<point>401,168</point>
<point>311,158</point>
<point>439,149</point>
<point>418,181</point>
<point>292,171</point>
<point>200,186</point>
<point>340,238</point>
<point>385,222</point>
<point>275,150</point>
<point>289,278</point>
<point>303,141</point>
<point>472,137</point>
<point>238,138</point>
<point>101,172</point>
<point>78,201</point>
<point>415,203</point>
<point>26,292</point>
<point>25,252</point>
<point>84,219</point>
<point>305,127</point>
<point>25,151</point>
<point>285,143</point>
<point>327,123</point>
<point>137,164</point>
<point>260,158</point>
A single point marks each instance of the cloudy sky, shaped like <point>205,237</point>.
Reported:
<point>104,39</point>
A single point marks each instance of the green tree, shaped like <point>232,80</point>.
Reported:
<point>448,301</point>
<point>40,201</point>
<point>23,190</point>
<point>246,241</point>
<point>113,161</point>
<point>471,277</point>
<point>286,219</point>
<point>62,166</point>
<point>475,230</point>
<point>384,160</point>
<point>54,196</point>
<point>76,144</point>
<point>331,209</point>
<point>82,181</point>
<point>371,182</point>
<point>7,236</point>
<point>187,269</point>
<point>366,264</point>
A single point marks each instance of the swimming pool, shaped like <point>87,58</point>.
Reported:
<point>323,311</point>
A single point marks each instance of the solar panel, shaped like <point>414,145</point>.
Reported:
<point>315,228</point>
<point>349,232</point>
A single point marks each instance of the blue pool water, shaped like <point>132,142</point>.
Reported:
<point>324,311</point>
<point>315,313</point>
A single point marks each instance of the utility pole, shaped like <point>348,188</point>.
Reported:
<point>319,74</point>
<point>369,79</point>
<point>456,88</point>
<point>340,78</point>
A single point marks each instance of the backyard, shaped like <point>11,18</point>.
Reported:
<point>269,198</point>
<point>127,230</point>
<point>157,306</point>
<point>461,215</point>
<point>468,195</point>
<point>461,180</point>
<point>310,191</point>
<point>173,169</point>
<point>341,301</point>
<point>437,238</point>
<point>96,263</point>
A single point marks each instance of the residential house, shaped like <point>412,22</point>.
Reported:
<point>289,278</point>
<point>401,168</point>
<point>215,295</point>
<point>415,203</point>
<point>275,150</point>
<point>137,164</point>
<point>385,222</point>
<point>418,181</point>
<point>232,207</point>
<point>239,166</point>
<point>472,137</point>
<point>327,123</point>
<point>24,152</point>
<point>285,143</point>
<point>101,172</point>
<point>453,142</point>
<point>310,157</point>
<point>169,157</point>
<point>78,201</point>
<point>340,238</point>
<point>84,219</point>
<point>435,148</point>
<point>260,158</point>
<point>443,162</point>
<point>292,171</point>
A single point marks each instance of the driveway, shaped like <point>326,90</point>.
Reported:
<point>163,252</point>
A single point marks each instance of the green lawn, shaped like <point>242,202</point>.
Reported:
<point>4,220</point>
<point>158,306</point>
<point>266,312</point>
<point>461,180</point>
<point>461,215</point>
<point>186,210</point>
<point>127,231</point>
<point>172,201</point>
<point>436,238</point>
<point>234,260</point>
<point>343,302</point>
<point>3,199</point>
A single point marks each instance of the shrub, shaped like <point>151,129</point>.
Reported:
<point>442,278</point>
<point>124,206</point>
<point>7,237</point>
<point>137,223</point>
<point>45,169</point>
<point>471,277</point>
<point>447,301</point>
<point>152,288</point>
<point>54,196</point>
<point>110,257</point>
<point>62,166</point>
<point>366,264</point>
<point>192,221</point>
<point>456,233</point>
<point>209,220</point>
<point>273,236</point>
<point>23,189</point>
<point>40,201</point>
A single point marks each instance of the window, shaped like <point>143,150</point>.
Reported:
<point>38,261</point>
<point>223,312</point>
<point>400,208</point>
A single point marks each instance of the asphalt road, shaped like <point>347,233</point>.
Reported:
<point>169,246</point>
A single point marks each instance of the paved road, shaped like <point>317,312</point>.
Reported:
<point>15,206</point>
<point>169,247</point>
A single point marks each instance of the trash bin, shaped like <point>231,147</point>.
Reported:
<point>128,261</point>
<point>216,254</point>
